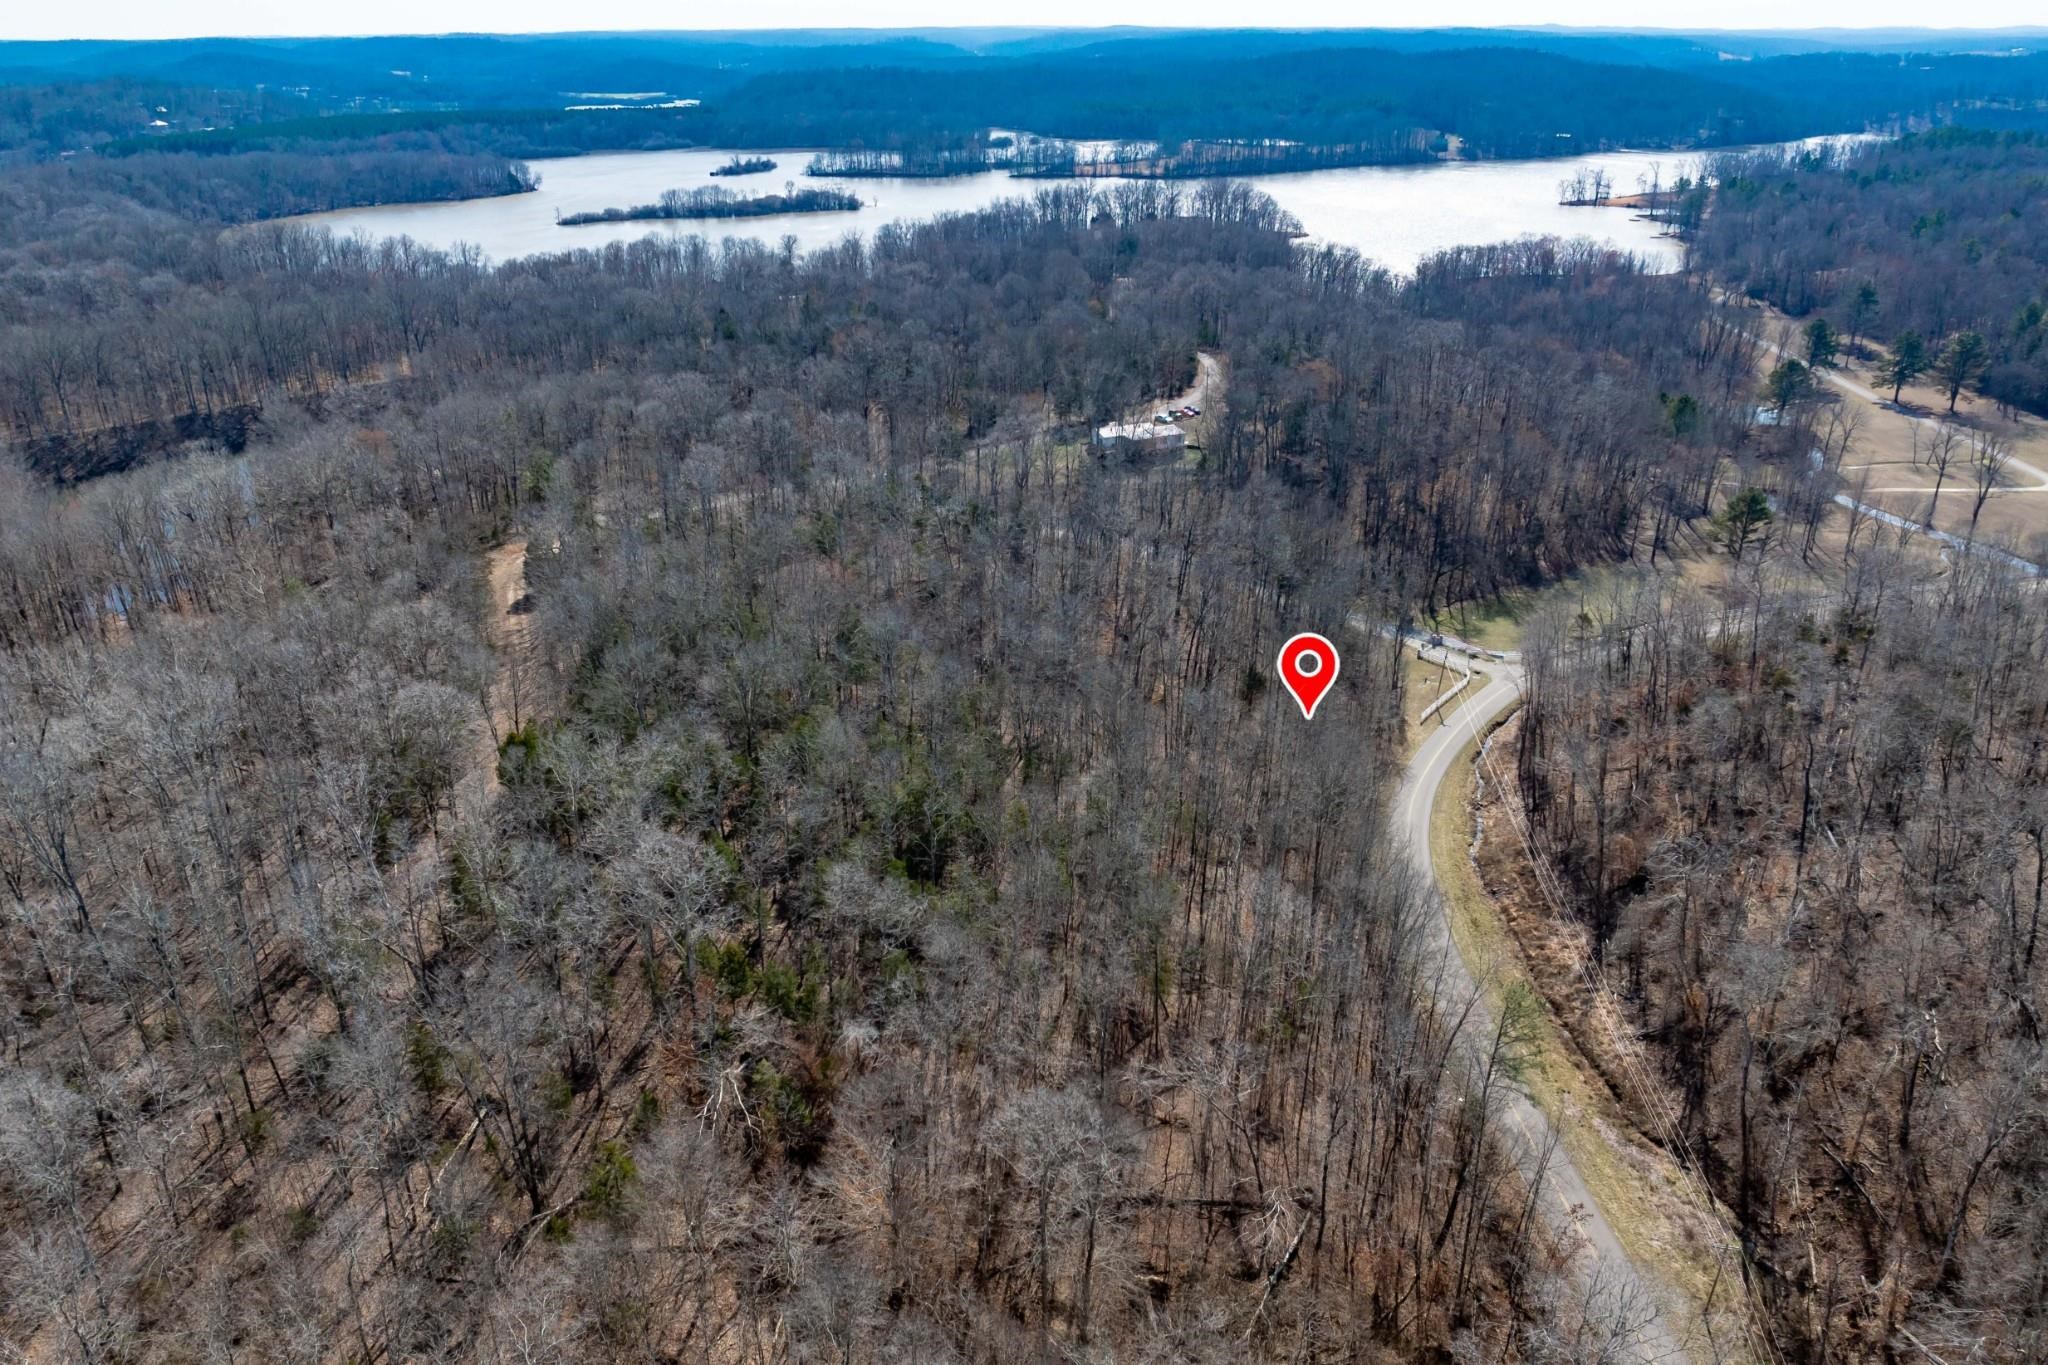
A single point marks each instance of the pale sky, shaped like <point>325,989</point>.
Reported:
<point>190,18</point>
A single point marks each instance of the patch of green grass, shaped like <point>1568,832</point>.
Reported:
<point>1491,623</point>
<point>1496,622</point>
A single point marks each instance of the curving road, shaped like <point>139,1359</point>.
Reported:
<point>1605,1267</point>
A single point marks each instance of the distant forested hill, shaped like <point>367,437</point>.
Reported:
<point>520,69</point>
<point>1501,101</point>
<point>40,119</point>
<point>1503,93</point>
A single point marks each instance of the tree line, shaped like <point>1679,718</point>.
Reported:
<point>1048,159</point>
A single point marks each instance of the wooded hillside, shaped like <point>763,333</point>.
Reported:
<point>665,803</point>
<point>663,806</point>
<point>1806,837</point>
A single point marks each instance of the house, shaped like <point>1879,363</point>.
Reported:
<point>1137,439</point>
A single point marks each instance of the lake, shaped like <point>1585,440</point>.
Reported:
<point>1394,214</point>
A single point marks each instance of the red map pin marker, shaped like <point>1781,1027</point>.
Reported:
<point>1308,665</point>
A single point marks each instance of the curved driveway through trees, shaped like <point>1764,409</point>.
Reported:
<point>1605,1268</point>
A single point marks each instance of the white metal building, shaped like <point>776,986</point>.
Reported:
<point>1142,438</point>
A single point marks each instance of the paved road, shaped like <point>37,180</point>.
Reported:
<point>1603,1261</point>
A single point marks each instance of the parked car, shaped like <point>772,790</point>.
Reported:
<point>1194,411</point>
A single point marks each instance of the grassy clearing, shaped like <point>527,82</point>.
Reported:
<point>1491,623</point>
<point>1496,622</point>
<point>1593,594</point>
<point>1638,1188</point>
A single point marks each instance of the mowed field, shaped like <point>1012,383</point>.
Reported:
<point>1884,463</point>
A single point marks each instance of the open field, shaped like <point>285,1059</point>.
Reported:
<point>1894,475</point>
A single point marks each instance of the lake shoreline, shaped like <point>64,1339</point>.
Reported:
<point>1395,215</point>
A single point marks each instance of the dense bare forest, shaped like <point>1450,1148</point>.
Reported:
<point>662,806</point>
<point>663,803</point>
<point>1806,835</point>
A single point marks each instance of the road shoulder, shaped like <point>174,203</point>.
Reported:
<point>1655,1211</point>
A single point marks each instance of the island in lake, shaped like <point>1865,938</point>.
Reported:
<point>1207,160</point>
<point>745,165</point>
<point>713,202</point>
